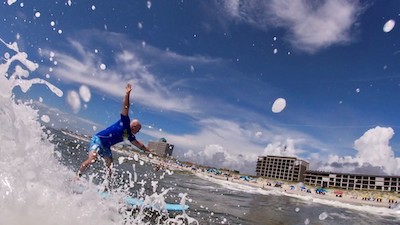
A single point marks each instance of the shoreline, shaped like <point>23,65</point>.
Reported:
<point>354,198</point>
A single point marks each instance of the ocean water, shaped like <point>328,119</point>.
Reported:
<point>219,202</point>
<point>37,167</point>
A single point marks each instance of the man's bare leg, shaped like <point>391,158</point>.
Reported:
<point>91,159</point>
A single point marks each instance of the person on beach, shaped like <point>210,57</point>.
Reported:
<point>121,130</point>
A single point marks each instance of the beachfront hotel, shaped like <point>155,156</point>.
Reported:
<point>352,181</point>
<point>293,169</point>
<point>161,147</point>
<point>281,167</point>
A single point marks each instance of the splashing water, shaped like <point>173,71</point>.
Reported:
<point>16,78</point>
<point>32,181</point>
<point>34,185</point>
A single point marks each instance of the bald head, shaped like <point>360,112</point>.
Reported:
<point>135,126</point>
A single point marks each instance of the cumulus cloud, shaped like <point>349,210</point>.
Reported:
<point>215,155</point>
<point>373,147</point>
<point>310,25</point>
<point>224,143</point>
<point>240,158</point>
<point>374,155</point>
<point>217,143</point>
<point>285,148</point>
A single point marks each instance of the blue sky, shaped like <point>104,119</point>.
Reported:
<point>206,74</point>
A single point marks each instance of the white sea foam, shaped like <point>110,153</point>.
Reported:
<point>234,186</point>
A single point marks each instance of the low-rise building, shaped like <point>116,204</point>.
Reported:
<point>161,147</point>
<point>352,181</point>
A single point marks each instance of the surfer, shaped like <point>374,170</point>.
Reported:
<point>123,129</point>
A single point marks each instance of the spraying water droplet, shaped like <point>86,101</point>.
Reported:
<point>389,25</point>
<point>103,66</point>
<point>279,105</point>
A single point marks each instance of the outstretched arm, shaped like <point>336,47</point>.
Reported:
<point>141,146</point>
<point>125,102</point>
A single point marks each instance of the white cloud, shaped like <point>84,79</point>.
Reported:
<point>285,148</point>
<point>218,143</point>
<point>373,147</point>
<point>235,145</point>
<point>310,25</point>
<point>232,8</point>
<point>147,89</point>
<point>215,155</point>
<point>218,131</point>
<point>373,153</point>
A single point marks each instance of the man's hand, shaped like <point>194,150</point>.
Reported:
<point>147,150</point>
<point>128,89</point>
<point>125,102</point>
